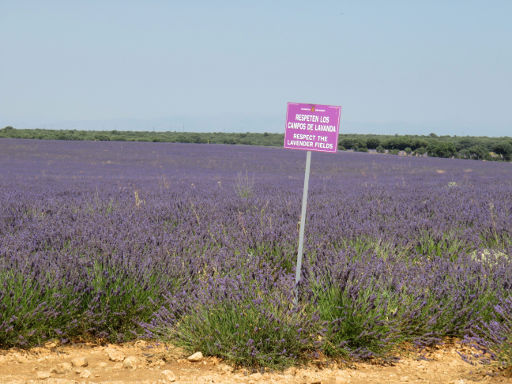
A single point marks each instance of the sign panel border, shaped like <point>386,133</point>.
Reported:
<point>312,107</point>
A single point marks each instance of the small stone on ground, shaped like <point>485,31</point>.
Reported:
<point>114,354</point>
<point>79,362</point>
<point>198,356</point>
<point>62,368</point>
<point>43,375</point>
<point>85,374</point>
<point>130,362</point>
<point>169,375</point>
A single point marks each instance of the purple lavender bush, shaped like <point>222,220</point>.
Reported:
<point>197,243</point>
<point>359,307</point>
<point>493,339</point>
<point>249,319</point>
<point>491,336</point>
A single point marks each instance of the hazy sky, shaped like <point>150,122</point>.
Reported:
<point>395,66</point>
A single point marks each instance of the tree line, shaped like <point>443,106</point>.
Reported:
<point>463,147</point>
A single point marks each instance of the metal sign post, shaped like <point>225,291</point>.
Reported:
<point>302,226</point>
<point>310,127</point>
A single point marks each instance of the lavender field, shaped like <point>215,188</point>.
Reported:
<point>196,244</point>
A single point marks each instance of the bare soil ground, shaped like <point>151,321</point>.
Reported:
<point>144,362</point>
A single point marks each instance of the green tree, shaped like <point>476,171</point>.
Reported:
<point>476,152</point>
<point>503,148</point>
<point>348,142</point>
<point>372,142</point>
<point>441,149</point>
<point>398,142</point>
<point>420,151</point>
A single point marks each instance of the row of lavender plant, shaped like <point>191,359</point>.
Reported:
<point>197,244</point>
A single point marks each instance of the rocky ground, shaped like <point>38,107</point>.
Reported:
<point>143,362</point>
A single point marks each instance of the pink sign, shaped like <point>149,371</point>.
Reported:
<point>312,127</point>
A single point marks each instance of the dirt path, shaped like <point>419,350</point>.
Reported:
<point>143,362</point>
